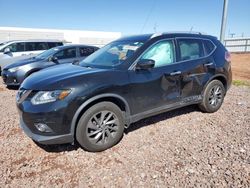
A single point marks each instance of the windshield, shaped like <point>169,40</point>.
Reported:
<point>112,54</point>
<point>46,54</point>
<point>3,43</point>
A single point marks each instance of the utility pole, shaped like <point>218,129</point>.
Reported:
<point>223,21</point>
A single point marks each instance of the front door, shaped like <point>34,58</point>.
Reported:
<point>157,87</point>
<point>66,56</point>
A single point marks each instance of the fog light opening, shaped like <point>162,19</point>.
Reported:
<point>42,127</point>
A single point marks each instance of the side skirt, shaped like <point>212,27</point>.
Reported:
<point>184,102</point>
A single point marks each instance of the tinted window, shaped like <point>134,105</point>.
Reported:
<point>41,46</point>
<point>16,47</point>
<point>86,51</point>
<point>162,53</point>
<point>30,46</point>
<point>54,44</point>
<point>66,53</point>
<point>190,49</point>
<point>209,46</point>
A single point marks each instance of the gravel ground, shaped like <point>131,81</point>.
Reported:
<point>182,148</point>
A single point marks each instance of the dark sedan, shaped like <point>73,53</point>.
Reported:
<point>14,74</point>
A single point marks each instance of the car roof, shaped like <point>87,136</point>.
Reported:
<point>146,37</point>
<point>73,45</point>
<point>33,40</point>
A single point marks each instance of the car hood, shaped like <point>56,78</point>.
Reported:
<point>19,63</point>
<point>58,77</point>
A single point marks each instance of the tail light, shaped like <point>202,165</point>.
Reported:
<point>227,56</point>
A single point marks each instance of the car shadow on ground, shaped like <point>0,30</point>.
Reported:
<point>57,148</point>
<point>135,126</point>
<point>161,117</point>
<point>12,87</point>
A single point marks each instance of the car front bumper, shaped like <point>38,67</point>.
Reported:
<point>10,79</point>
<point>48,139</point>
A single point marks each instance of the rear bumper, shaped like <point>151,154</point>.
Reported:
<point>47,140</point>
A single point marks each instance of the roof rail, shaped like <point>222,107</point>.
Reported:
<point>156,35</point>
<point>191,32</point>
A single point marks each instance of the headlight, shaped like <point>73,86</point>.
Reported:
<point>49,96</point>
<point>14,69</point>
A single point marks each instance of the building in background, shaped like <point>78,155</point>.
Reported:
<point>96,38</point>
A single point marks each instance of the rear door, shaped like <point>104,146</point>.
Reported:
<point>67,55</point>
<point>34,48</point>
<point>40,47</point>
<point>196,67</point>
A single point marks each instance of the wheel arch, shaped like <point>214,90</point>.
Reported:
<point>31,72</point>
<point>109,97</point>
<point>219,77</point>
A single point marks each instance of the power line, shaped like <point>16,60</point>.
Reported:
<point>149,14</point>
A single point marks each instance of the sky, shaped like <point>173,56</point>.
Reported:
<point>127,16</point>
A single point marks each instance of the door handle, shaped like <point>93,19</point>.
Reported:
<point>208,64</point>
<point>175,73</point>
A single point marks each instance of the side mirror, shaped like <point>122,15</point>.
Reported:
<point>7,50</point>
<point>53,59</point>
<point>145,64</point>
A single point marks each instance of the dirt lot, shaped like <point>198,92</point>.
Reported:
<point>241,66</point>
<point>180,148</point>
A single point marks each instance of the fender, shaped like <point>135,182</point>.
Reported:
<point>212,78</point>
<point>31,72</point>
<point>127,113</point>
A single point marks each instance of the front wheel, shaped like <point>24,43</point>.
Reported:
<point>100,127</point>
<point>213,97</point>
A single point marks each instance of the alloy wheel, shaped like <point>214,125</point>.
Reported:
<point>215,97</point>
<point>102,127</point>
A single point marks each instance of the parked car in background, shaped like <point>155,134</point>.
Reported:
<point>27,47</point>
<point>14,74</point>
<point>127,80</point>
<point>12,51</point>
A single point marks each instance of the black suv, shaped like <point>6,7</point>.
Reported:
<point>127,80</point>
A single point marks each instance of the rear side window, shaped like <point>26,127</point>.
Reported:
<point>190,49</point>
<point>209,46</point>
<point>66,53</point>
<point>86,51</point>
<point>54,44</point>
<point>30,46</point>
<point>35,46</point>
<point>16,47</point>
<point>41,46</point>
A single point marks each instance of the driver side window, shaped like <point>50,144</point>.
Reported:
<point>162,53</point>
<point>16,47</point>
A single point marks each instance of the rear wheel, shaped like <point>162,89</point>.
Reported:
<point>213,97</point>
<point>100,127</point>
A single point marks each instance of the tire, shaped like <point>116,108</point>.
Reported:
<point>100,127</point>
<point>213,97</point>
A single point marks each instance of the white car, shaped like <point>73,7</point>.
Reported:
<point>11,51</point>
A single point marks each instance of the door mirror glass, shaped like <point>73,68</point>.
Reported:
<point>145,64</point>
